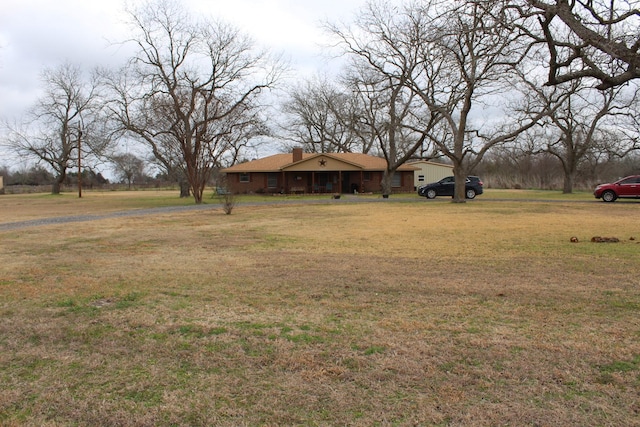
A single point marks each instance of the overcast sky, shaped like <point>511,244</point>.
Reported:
<point>36,34</point>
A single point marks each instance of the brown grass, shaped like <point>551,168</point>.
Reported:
<point>422,313</point>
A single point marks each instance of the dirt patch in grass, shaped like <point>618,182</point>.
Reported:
<point>378,314</point>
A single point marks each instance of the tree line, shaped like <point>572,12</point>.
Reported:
<point>39,176</point>
<point>506,88</point>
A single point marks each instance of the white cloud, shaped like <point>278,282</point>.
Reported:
<point>36,34</point>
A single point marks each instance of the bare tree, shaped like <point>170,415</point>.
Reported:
<point>513,166</point>
<point>128,167</point>
<point>464,73</point>
<point>392,117</point>
<point>323,117</point>
<point>64,115</point>
<point>383,48</point>
<point>599,39</point>
<point>580,124</point>
<point>193,89</point>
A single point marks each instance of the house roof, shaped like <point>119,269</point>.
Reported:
<point>427,162</point>
<point>281,162</point>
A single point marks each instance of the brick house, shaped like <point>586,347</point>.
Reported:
<point>300,172</point>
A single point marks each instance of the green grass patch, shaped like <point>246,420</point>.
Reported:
<point>374,349</point>
<point>621,366</point>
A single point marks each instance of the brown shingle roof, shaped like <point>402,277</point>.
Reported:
<point>278,162</point>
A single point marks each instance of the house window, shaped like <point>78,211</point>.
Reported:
<point>272,180</point>
<point>420,178</point>
<point>366,176</point>
<point>397,180</point>
<point>244,177</point>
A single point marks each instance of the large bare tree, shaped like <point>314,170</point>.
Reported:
<point>599,39</point>
<point>193,89</point>
<point>383,49</point>
<point>465,74</point>
<point>437,72</point>
<point>66,114</point>
<point>581,123</point>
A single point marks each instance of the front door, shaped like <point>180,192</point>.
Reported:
<point>324,182</point>
<point>346,183</point>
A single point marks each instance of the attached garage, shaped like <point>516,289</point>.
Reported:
<point>427,172</point>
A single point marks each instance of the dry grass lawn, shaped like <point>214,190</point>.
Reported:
<point>394,313</point>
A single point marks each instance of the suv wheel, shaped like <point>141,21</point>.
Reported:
<point>609,196</point>
<point>471,193</point>
<point>431,194</point>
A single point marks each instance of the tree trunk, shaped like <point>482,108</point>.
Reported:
<point>185,189</point>
<point>57,184</point>
<point>567,187</point>
<point>387,180</point>
<point>55,189</point>
<point>459,193</point>
<point>197,194</point>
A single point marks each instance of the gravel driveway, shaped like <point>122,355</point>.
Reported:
<point>164,210</point>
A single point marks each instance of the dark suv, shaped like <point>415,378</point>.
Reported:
<point>626,187</point>
<point>445,187</point>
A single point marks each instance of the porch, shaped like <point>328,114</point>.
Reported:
<point>323,182</point>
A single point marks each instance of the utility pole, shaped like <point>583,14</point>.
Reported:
<point>79,162</point>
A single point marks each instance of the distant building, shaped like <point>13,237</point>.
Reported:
<point>427,172</point>
<point>300,172</point>
<point>1,184</point>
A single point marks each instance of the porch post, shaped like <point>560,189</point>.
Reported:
<point>339,182</point>
<point>284,182</point>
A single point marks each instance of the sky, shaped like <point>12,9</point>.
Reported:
<point>39,34</point>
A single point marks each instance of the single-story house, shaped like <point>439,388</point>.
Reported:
<point>300,172</point>
<point>427,172</point>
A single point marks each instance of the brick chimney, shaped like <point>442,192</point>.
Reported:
<point>297,154</point>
